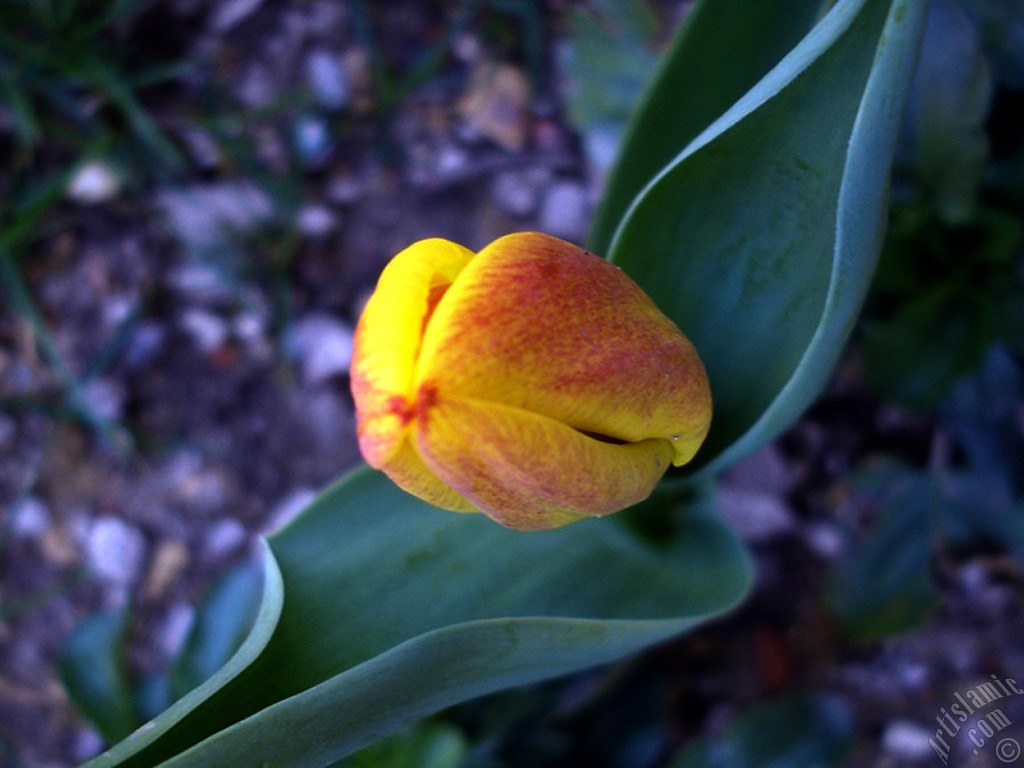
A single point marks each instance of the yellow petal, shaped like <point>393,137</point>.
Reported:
<point>537,324</point>
<point>387,342</point>
<point>529,472</point>
<point>407,470</point>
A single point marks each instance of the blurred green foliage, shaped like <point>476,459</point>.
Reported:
<point>969,501</point>
<point>802,730</point>
<point>93,665</point>
<point>944,330</point>
<point>64,63</point>
<point>951,278</point>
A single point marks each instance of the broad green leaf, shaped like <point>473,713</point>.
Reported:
<point>167,727</point>
<point>393,610</point>
<point>610,62</point>
<point>424,745</point>
<point>722,50</point>
<point>886,586</point>
<point>223,620</point>
<point>915,356</point>
<point>949,104</point>
<point>92,669</point>
<point>760,238</point>
<point>803,730</point>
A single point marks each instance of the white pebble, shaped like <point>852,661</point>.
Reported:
<point>93,183</point>
<point>115,550</point>
<point>565,211</point>
<point>328,79</point>
<point>317,221</point>
<point>175,628</point>
<point>207,330</point>
<point>29,518</point>
<point>223,538</point>
<point>906,740</point>
<point>322,346</point>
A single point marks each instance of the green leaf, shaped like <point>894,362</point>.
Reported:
<point>395,610</point>
<point>92,669</point>
<point>760,238</point>
<point>886,587</point>
<point>722,50</point>
<point>949,104</point>
<point>933,340</point>
<point>804,730</point>
<point>424,745</point>
<point>223,620</point>
<point>610,61</point>
<point>168,726</point>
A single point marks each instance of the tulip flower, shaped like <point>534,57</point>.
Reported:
<point>532,381</point>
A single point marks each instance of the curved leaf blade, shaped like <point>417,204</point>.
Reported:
<point>395,610</point>
<point>722,50</point>
<point>93,671</point>
<point>171,730</point>
<point>761,237</point>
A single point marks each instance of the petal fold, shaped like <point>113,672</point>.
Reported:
<point>388,339</point>
<point>530,472</point>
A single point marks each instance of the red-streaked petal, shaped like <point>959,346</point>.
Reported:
<point>388,338</point>
<point>540,325</point>
<point>529,472</point>
<point>407,470</point>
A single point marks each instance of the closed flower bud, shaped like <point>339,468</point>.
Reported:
<point>532,381</point>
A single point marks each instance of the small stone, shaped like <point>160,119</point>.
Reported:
<point>208,215</point>
<point>115,550</point>
<point>451,163</point>
<point>174,629</point>
<point>145,344</point>
<point>565,211</point>
<point>317,221</point>
<point>204,150</point>
<point>328,80</point>
<point>86,744</point>
<point>907,741</point>
<point>106,398</point>
<point>326,20</point>
<point>231,13</point>
<point>208,331</point>
<point>169,561</point>
<point>601,146</point>
<point>288,508</point>
<point>58,546</point>
<point>514,194</point>
<point>758,517</point>
<point>95,182</point>
<point>312,140</point>
<point>345,190</point>
<point>825,540</point>
<point>322,346</point>
<point>467,48</point>
<point>117,309</point>
<point>198,283</point>
<point>914,677</point>
<point>496,104</point>
<point>223,538</point>
<point>30,519</point>
<point>205,490</point>
<point>248,327</point>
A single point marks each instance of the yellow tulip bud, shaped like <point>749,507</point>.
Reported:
<point>533,381</point>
